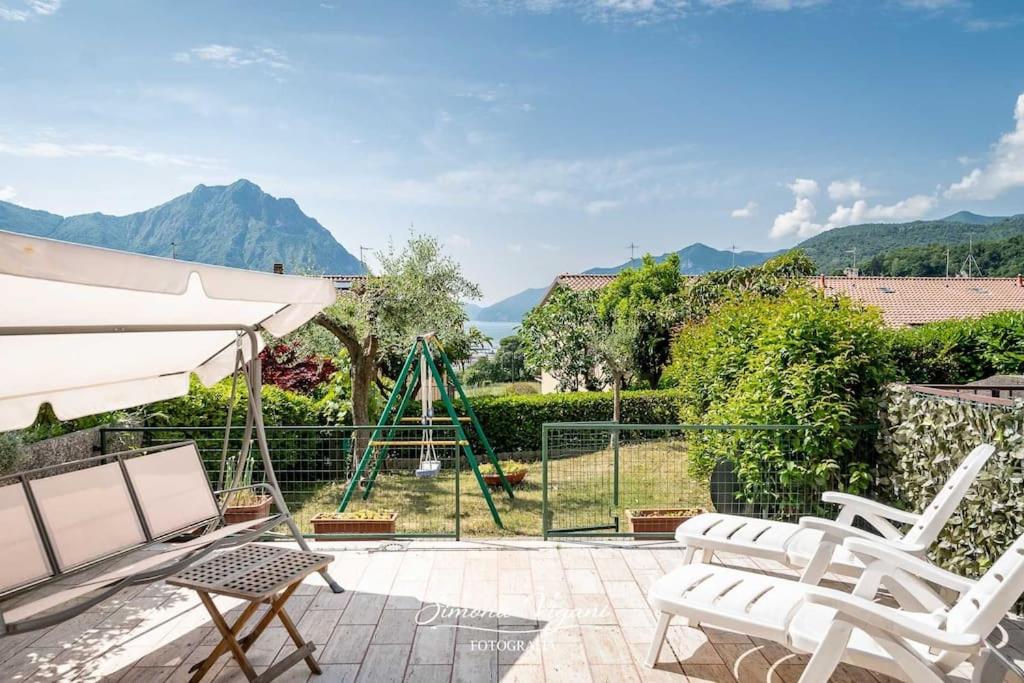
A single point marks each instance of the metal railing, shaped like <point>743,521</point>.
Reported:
<point>313,464</point>
<point>596,475</point>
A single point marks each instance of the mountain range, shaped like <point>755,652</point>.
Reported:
<point>831,251</point>
<point>236,225</point>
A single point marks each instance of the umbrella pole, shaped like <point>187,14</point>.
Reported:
<point>256,410</point>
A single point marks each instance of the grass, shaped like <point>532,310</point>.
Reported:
<point>652,474</point>
<point>503,389</point>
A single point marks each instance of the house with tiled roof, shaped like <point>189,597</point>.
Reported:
<point>904,301</point>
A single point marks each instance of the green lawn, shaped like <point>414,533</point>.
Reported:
<point>652,474</point>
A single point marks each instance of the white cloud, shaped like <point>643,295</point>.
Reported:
<point>965,160</point>
<point>1005,169</point>
<point>457,241</point>
<point>515,248</point>
<point>800,220</point>
<point>845,190</point>
<point>28,9</point>
<point>981,25</point>
<point>747,211</point>
<point>231,57</point>
<point>803,187</point>
<point>631,11</point>
<point>910,208</point>
<point>50,149</point>
<point>930,4</point>
<point>7,193</point>
<point>599,206</point>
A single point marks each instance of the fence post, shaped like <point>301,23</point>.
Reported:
<point>544,480</point>
<point>615,476</point>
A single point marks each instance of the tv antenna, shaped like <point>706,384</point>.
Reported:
<point>632,246</point>
<point>970,263</point>
<point>852,272</point>
<point>174,250</point>
<point>362,257</point>
<point>733,250</point>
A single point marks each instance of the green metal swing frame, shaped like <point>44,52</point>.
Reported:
<point>401,395</point>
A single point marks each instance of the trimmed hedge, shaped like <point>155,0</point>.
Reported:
<point>513,423</point>
<point>923,439</point>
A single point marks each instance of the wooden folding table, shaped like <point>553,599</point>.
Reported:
<point>259,574</point>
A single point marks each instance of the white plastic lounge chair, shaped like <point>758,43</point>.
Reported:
<point>815,545</point>
<point>56,526</point>
<point>922,640</point>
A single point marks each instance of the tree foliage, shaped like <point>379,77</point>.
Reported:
<point>508,364</point>
<point>558,337</point>
<point>286,366</point>
<point>643,304</point>
<point>995,258</point>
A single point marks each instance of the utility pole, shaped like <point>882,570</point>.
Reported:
<point>632,251</point>
<point>947,262</point>
<point>173,250</point>
<point>733,250</point>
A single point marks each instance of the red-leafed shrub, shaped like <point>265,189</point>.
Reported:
<point>285,367</point>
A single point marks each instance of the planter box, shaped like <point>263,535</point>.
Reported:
<point>649,521</point>
<point>375,528</point>
<point>245,513</point>
<point>493,480</point>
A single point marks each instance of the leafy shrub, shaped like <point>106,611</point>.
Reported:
<point>960,351</point>
<point>10,451</point>
<point>923,439</point>
<point>287,367</point>
<point>513,423</point>
<point>802,359</point>
<point>522,389</point>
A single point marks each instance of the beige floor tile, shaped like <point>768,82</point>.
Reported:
<point>593,609</point>
<point>474,665</point>
<point>347,645</point>
<point>708,673</point>
<point>624,594</point>
<point>364,608</point>
<point>605,645</point>
<point>521,673</point>
<point>584,581</point>
<point>396,626</point>
<point>317,625</point>
<point>433,645</point>
<point>615,673</point>
<point>429,673</point>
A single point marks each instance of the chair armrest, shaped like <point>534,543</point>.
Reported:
<point>868,549</point>
<point>869,507</point>
<point>865,613</point>
<point>838,533</point>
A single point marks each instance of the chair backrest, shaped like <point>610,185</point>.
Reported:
<point>88,514</point>
<point>172,488</point>
<point>980,609</point>
<point>938,512</point>
<point>24,555</point>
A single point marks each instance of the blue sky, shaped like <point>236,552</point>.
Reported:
<point>532,136</point>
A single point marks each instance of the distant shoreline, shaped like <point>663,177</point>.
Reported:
<point>495,330</point>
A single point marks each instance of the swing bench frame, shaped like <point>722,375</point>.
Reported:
<point>405,387</point>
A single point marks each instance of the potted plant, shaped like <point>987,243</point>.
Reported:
<point>659,520</point>
<point>244,505</point>
<point>514,471</point>
<point>370,521</point>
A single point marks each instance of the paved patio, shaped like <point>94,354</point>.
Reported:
<point>569,612</point>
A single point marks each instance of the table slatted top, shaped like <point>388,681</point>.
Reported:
<point>252,572</point>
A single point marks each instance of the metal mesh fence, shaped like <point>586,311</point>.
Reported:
<point>597,475</point>
<point>313,465</point>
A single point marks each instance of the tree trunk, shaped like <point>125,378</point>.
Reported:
<point>362,355</point>
<point>617,398</point>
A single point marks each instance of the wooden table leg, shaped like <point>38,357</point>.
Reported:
<point>289,626</point>
<point>228,639</point>
<point>265,620</point>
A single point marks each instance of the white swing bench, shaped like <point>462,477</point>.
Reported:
<point>921,640</point>
<point>815,546</point>
<point>78,533</point>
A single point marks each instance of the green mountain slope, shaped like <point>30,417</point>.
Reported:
<point>235,225</point>
<point>511,309</point>
<point>832,250</point>
<point>996,258</point>
<point>698,259</point>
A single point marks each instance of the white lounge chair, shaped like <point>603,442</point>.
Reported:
<point>922,640</point>
<point>815,545</point>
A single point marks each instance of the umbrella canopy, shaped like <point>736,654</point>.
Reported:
<point>46,284</point>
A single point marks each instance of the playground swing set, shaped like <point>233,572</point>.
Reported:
<point>426,380</point>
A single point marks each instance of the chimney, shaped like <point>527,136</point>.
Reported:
<point>821,280</point>
<point>1020,280</point>
<point>278,269</point>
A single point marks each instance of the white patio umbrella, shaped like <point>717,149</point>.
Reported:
<point>89,330</point>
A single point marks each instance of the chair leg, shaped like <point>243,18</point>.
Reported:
<point>659,639</point>
<point>816,568</point>
<point>707,555</point>
<point>988,668</point>
<point>828,655</point>
<point>688,554</point>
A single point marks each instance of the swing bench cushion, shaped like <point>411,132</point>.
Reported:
<point>57,524</point>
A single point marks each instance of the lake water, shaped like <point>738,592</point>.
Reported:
<point>496,331</point>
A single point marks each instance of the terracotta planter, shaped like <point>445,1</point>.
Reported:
<point>513,479</point>
<point>649,521</point>
<point>245,513</point>
<point>373,528</point>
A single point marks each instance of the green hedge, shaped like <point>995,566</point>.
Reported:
<point>959,351</point>
<point>923,439</point>
<point>513,423</point>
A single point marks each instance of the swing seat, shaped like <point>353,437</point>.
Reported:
<point>429,469</point>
